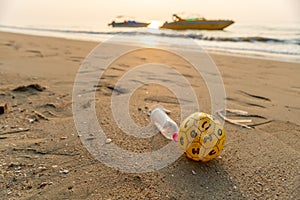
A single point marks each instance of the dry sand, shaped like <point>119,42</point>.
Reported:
<point>43,158</point>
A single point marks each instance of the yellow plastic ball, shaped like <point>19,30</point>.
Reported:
<point>201,137</point>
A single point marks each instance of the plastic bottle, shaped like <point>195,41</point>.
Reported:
<point>164,123</point>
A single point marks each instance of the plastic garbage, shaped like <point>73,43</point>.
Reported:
<point>164,123</point>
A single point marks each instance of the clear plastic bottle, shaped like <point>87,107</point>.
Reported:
<point>164,123</point>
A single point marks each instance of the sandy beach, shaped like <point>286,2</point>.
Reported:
<point>42,156</point>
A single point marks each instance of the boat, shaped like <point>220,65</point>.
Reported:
<point>129,23</point>
<point>179,23</point>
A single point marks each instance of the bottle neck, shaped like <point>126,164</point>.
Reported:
<point>175,137</point>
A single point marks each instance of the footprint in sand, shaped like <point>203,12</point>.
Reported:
<point>76,58</point>
<point>36,52</point>
<point>255,96</point>
<point>117,69</point>
<point>244,103</point>
<point>30,88</point>
<point>13,44</point>
<point>124,65</point>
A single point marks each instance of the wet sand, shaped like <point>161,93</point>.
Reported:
<point>42,156</point>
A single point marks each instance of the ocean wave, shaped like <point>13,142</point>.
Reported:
<point>229,39</point>
<point>220,40</point>
<point>196,36</point>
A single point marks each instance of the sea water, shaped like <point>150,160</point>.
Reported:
<point>280,41</point>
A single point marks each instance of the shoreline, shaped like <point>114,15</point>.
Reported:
<point>238,53</point>
<point>273,57</point>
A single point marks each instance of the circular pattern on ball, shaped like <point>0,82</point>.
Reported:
<point>201,137</point>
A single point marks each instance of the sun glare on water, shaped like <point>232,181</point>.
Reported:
<point>155,24</point>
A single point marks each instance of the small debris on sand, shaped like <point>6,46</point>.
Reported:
<point>43,184</point>
<point>65,171</point>
<point>3,108</point>
<point>108,141</point>
<point>41,116</point>
<point>32,120</point>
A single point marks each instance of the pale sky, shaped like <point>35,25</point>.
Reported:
<point>76,12</point>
